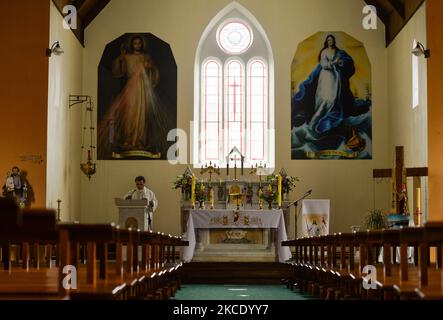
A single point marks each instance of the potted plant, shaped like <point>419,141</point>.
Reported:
<point>375,220</point>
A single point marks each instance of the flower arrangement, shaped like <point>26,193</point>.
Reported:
<point>270,195</point>
<point>201,193</point>
<point>183,182</point>
<point>287,183</point>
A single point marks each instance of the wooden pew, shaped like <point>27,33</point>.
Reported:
<point>155,274</point>
<point>431,275</point>
<point>326,266</point>
<point>27,277</point>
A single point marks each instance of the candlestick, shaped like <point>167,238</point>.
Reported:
<point>193,191</point>
<point>279,191</point>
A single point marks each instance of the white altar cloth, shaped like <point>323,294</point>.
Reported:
<point>232,219</point>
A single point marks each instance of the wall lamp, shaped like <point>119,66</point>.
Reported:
<point>55,49</point>
<point>420,50</point>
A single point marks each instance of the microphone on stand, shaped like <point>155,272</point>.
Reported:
<point>308,193</point>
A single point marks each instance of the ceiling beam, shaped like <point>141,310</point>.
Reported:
<point>395,14</point>
<point>94,11</point>
<point>399,7</point>
<point>87,11</point>
<point>79,32</point>
<point>78,4</point>
<point>381,13</point>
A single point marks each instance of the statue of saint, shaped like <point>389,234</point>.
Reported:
<point>14,188</point>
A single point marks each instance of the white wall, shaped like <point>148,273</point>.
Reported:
<point>287,22</point>
<point>64,124</point>
<point>408,126</point>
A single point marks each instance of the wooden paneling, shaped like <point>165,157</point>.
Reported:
<point>24,90</point>
<point>435,108</point>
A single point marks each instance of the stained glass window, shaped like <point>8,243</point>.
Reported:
<point>233,101</point>
<point>211,103</point>
<point>234,38</point>
<point>257,109</point>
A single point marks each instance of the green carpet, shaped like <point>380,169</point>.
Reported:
<point>237,292</point>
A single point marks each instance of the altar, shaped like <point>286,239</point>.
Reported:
<point>236,236</point>
<point>236,220</point>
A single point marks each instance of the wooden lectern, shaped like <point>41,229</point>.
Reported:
<point>133,213</point>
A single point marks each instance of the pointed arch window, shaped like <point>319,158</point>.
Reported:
<point>234,91</point>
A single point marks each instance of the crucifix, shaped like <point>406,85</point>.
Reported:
<point>232,156</point>
<point>400,173</point>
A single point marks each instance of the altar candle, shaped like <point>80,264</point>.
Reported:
<point>417,203</point>
<point>211,196</point>
<point>418,199</point>
<point>260,200</point>
<point>279,190</point>
<point>193,191</point>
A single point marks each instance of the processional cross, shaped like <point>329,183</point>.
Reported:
<point>399,172</point>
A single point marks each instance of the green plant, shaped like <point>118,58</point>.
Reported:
<point>376,219</point>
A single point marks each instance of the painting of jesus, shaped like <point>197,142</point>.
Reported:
<point>137,98</point>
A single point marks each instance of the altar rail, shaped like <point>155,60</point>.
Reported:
<point>35,249</point>
<point>330,267</point>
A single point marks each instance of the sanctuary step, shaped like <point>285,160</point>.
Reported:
<point>234,273</point>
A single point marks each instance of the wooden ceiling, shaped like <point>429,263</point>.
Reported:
<point>87,11</point>
<point>395,14</point>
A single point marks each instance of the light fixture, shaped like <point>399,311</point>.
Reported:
<point>55,49</point>
<point>89,166</point>
<point>420,50</point>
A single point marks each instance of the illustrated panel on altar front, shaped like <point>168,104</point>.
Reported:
<point>236,236</point>
<point>235,245</point>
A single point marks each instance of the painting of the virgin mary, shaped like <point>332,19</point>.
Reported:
<point>331,106</point>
